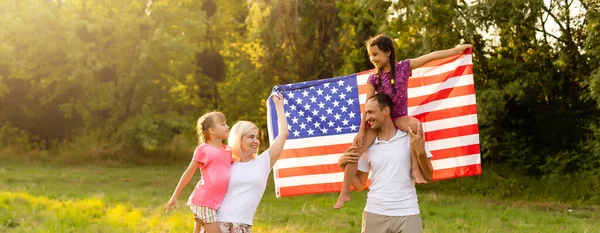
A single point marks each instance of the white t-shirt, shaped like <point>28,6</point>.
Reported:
<point>392,192</point>
<point>245,190</point>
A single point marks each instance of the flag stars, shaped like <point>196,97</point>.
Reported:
<point>317,124</point>
<point>350,101</point>
<point>337,116</point>
<point>323,118</point>
<point>290,95</point>
<point>330,123</point>
<point>308,119</point>
<point>328,97</point>
<point>345,121</point>
<point>338,129</point>
<point>340,83</point>
<point>353,127</point>
<point>315,112</point>
<point>348,88</point>
<point>324,130</point>
<point>334,90</point>
<point>329,111</point>
<point>295,120</point>
<point>352,114</point>
<point>301,113</point>
<point>296,133</point>
<point>287,114</point>
<point>289,127</point>
<point>321,105</point>
<point>313,99</point>
<point>319,92</point>
<point>344,109</point>
<point>305,93</point>
<point>299,100</point>
<point>326,85</point>
<point>336,103</point>
<point>302,126</point>
<point>307,107</point>
<point>310,131</point>
<point>342,96</point>
<point>293,107</point>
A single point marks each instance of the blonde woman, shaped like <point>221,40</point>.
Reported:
<point>250,172</point>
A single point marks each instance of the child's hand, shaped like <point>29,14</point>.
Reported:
<point>172,202</point>
<point>462,47</point>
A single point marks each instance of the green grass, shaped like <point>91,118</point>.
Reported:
<point>39,198</point>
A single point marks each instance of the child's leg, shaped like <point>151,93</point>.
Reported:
<point>212,227</point>
<point>403,123</point>
<point>351,168</point>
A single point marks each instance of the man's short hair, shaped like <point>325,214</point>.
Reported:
<point>383,101</point>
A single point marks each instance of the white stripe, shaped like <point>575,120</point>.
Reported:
<point>458,81</point>
<point>310,179</point>
<point>362,98</point>
<point>456,162</point>
<point>339,176</point>
<point>450,123</point>
<point>307,161</point>
<point>362,79</point>
<point>413,92</point>
<point>435,70</point>
<point>447,103</point>
<point>319,141</point>
<point>454,142</point>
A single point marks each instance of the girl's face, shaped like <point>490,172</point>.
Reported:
<point>221,129</point>
<point>379,58</point>
<point>250,142</point>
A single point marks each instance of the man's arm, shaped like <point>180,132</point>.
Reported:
<point>417,145</point>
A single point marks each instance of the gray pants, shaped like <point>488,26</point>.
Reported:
<point>375,223</point>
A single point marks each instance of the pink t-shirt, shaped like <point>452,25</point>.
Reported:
<point>399,97</point>
<point>215,165</point>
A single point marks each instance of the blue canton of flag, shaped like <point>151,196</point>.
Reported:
<point>320,108</point>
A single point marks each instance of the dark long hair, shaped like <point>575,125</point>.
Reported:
<point>385,44</point>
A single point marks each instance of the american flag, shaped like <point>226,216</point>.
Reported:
<point>324,117</point>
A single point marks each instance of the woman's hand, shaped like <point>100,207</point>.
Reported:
<point>278,99</point>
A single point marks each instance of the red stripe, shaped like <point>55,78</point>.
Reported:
<point>451,132</point>
<point>312,151</point>
<point>308,170</point>
<point>429,80</point>
<point>442,94</point>
<point>447,60</point>
<point>455,152</point>
<point>447,113</point>
<point>470,170</point>
<point>312,189</point>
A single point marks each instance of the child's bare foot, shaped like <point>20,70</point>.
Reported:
<point>342,199</point>
<point>418,178</point>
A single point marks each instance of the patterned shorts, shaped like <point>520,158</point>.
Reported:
<point>204,214</point>
<point>228,227</point>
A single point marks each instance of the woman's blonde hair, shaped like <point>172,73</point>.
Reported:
<point>236,133</point>
<point>206,121</point>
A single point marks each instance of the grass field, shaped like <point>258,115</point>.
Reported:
<point>38,198</point>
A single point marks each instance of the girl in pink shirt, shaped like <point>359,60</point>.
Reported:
<point>390,78</point>
<point>214,160</point>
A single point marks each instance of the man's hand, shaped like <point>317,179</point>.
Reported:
<point>349,156</point>
<point>417,143</point>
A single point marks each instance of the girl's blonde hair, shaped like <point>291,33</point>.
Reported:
<point>236,133</point>
<point>205,122</point>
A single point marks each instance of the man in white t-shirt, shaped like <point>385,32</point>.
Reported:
<point>392,205</point>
